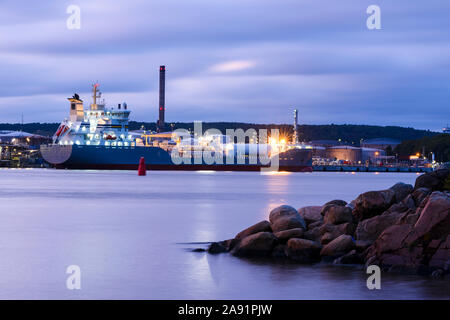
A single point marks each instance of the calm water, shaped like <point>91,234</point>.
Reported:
<point>131,236</point>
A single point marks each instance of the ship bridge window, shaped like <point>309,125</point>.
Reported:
<point>72,106</point>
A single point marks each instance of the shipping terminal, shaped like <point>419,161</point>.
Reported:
<point>98,138</point>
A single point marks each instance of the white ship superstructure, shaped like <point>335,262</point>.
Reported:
<point>98,125</point>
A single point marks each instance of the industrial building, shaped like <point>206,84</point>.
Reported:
<point>20,149</point>
<point>22,138</point>
<point>345,153</point>
<point>348,154</point>
<point>380,143</point>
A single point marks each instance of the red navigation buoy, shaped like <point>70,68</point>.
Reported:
<point>141,169</point>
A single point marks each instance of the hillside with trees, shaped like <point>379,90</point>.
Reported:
<point>438,144</point>
<point>350,134</point>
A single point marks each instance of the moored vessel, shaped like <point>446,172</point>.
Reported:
<point>99,138</point>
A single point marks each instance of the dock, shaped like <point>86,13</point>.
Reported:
<point>350,168</point>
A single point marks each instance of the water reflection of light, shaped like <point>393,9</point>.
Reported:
<point>377,173</point>
<point>204,226</point>
<point>278,185</point>
<point>199,274</point>
<point>206,171</point>
<point>276,173</point>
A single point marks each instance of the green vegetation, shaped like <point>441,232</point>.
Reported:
<point>349,134</point>
<point>438,144</point>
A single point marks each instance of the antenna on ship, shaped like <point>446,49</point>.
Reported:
<point>295,139</point>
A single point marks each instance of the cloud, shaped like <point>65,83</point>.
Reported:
<point>231,66</point>
<point>231,60</point>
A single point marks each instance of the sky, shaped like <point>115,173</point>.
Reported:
<point>230,60</point>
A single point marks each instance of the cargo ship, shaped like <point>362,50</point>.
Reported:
<point>99,138</point>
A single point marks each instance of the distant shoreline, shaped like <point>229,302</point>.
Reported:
<point>348,133</point>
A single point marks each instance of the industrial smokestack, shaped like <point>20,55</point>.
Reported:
<point>162,102</point>
<point>295,140</point>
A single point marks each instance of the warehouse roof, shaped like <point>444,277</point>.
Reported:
<point>381,141</point>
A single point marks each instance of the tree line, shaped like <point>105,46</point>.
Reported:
<point>438,144</point>
<point>347,133</point>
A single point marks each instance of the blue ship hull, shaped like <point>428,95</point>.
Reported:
<point>127,158</point>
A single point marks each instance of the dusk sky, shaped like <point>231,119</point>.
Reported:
<point>231,60</point>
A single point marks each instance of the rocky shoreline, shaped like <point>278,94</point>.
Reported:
<point>403,229</point>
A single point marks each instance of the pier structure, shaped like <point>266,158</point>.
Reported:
<point>370,168</point>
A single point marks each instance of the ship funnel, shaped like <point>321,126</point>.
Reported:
<point>162,92</point>
<point>76,108</point>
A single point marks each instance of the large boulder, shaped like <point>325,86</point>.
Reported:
<point>278,251</point>
<point>337,202</point>
<point>419,195</point>
<point>401,190</point>
<point>284,236</point>
<point>329,232</point>
<point>327,237</point>
<point>285,218</point>
<point>391,239</point>
<point>362,245</point>
<point>343,228</point>
<point>315,224</point>
<point>337,214</point>
<point>373,203</point>
<point>262,226</point>
<point>310,214</point>
<point>434,180</point>
<point>339,246</point>
<point>434,221</point>
<point>258,244</point>
<point>313,234</point>
<point>341,203</point>
<point>408,202</point>
<point>370,229</point>
<point>412,243</point>
<point>303,250</point>
<point>400,207</point>
<point>442,255</point>
<point>217,247</point>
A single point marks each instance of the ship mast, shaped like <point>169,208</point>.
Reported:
<point>95,94</point>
